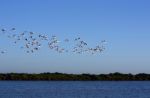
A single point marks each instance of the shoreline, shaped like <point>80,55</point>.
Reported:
<point>73,77</point>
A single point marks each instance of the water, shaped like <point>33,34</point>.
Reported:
<point>72,89</point>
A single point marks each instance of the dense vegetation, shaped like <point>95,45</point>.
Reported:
<point>75,77</point>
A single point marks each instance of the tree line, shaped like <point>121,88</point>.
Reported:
<point>75,77</point>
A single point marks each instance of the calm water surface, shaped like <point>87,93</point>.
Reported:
<point>78,89</point>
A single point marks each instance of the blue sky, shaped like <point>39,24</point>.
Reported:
<point>125,24</point>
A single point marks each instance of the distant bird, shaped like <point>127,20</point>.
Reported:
<point>31,33</point>
<point>76,39</point>
<point>66,40</point>
<point>3,30</point>
<point>13,29</point>
<point>2,52</point>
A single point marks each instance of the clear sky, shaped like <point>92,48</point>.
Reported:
<point>125,24</point>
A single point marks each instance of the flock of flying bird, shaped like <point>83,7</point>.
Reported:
<point>32,42</point>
